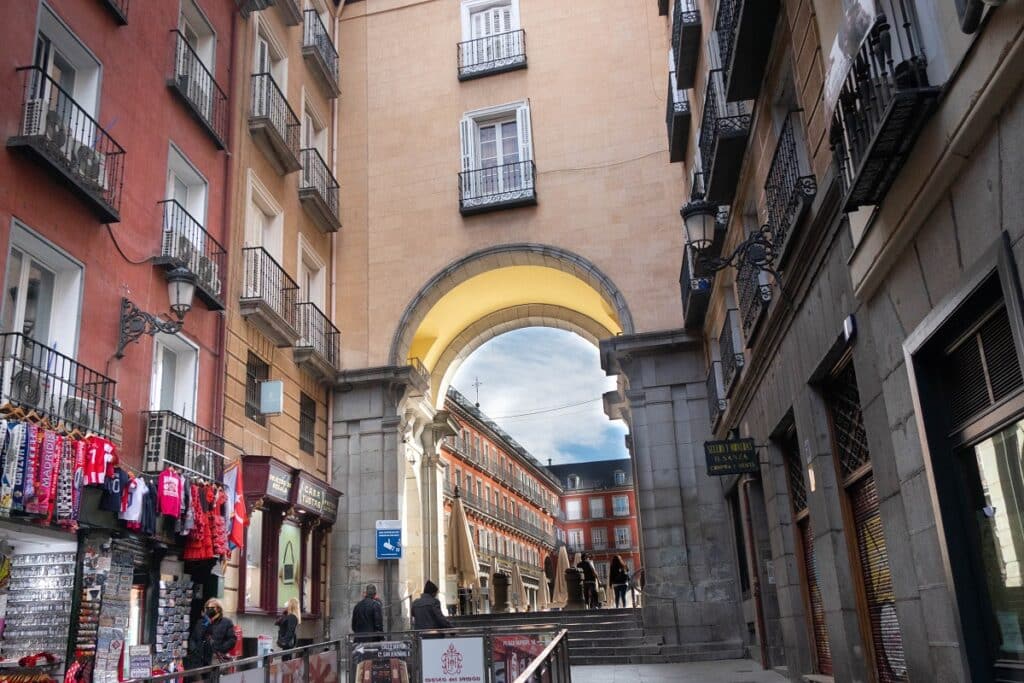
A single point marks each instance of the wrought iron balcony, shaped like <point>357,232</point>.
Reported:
<point>662,7</point>
<point>725,127</point>
<point>790,187</point>
<point>173,440</point>
<point>717,400</point>
<point>318,191</point>
<point>319,52</point>
<point>883,105</point>
<point>199,90</point>
<point>291,10</point>
<point>492,55</point>
<point>187,244</point>
<point>695,289</point>
<point>677,120</point>
<point>119,8</point>
<point>686,34</point>
<point>57,131</point>
<point>497,187</point>
<point>754,296</point>
<point>745,31</point>
<point>730,349</point>
<point>273,124</point>
<point>60,390</point>
<point>319,346</point>
<point>269,297</point>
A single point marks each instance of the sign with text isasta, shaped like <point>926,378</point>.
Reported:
<point>389,539</point>
<point>733,456</point>
<point>453,660</point>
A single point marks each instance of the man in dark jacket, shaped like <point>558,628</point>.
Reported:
<point>368,615</point>
<point>426,612</point>
<point>589,581</point>
<point>213,637</point>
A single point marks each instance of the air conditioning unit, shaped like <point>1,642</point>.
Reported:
<point>206,274</point>
<point>34,122</point>
<point>21,385</point>
<point>179,248</point>
<point>90,164</point>
<point>80,413</point>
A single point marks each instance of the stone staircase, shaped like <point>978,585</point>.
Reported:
<point>609,636</point>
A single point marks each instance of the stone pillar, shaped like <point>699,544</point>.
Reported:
<point>432,498</point>
<point>686,537</point>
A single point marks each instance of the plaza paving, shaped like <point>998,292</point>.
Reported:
<point>730,671</point>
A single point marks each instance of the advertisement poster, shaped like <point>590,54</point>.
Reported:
<point>858,15</point>
<point>386,661</point>
<point>511,654</point>
<point>323,668</point>
<point>453,660</point>
<point>286,672</point>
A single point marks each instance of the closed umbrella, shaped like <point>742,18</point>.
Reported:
<point>561,595</point>
<point>460,551</point>
<point>544,595</point>
<point>518,588</point>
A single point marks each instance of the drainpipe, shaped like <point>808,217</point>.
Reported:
<point>755,571</point>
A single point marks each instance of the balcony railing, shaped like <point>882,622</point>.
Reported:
<point>497,187</point>
<point>790,186</point>
<point>273,124</point>
<point>119,8</point>
<point>173,440</point>
<point>198,88</point>
<point>319,52</point>
<point>717,400</point>
<point>695,286</point>
<point>745,31</point>
<point>686,32</point>
<point>319,343</point>
<point>730,349</point>
<point>753,295</point>
<point>882,107</point>
<point>725,127</point>
<point>56,129</point>
<point>492,54</point>
<point>677,120</point>
<point>63,392</point>
<point>269,296</point>
<point>187,244</point>
<point>318,191</point>
<point>496,513</point>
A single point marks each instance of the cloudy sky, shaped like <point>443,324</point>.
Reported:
<point>543,386</point>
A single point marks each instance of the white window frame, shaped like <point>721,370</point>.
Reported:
<point>278,54</point>
<point>88,68</point>
<point>312,115</point>
<point>259,200</point>
<point>573,481</point>
<point>69,276</point>
<point>574,509</point>
<point>186,379</point>
<point>597,507</point>
<point>311,263</point>
<point>182,167</point>
<point>574,538</point>
<point>471,7</point>
<point>619,478</point>
<point>599,537</point>
<point>616,508</point>
<point>206,48</point>
<point>623,537</point>
<point>508,184</point>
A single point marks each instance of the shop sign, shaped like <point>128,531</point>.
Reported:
<point>511,654</point>
<point>453,660</point>
<point>268,478</point>
<point>383,662</point>
<point>733,456</point>
<point>315,496</point>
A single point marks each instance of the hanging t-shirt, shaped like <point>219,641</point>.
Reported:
<point>113,488</point>
<point>148,519</point>
<point>137,491</point>
<point>101,457</point>
<point>169,496</point>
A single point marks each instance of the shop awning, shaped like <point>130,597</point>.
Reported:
<point>315,497</point>
<point>267,478</point>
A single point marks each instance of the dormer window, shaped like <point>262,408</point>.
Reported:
<point>574,481</point>
<point>620,478</point>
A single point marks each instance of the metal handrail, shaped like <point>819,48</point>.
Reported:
<point>269,102</point>
<point>497,184</point>
<point>187,243</point>
<point>315,35</point>
<point>558,647</point>
<point>199,86</point>
<point>317,332</point>
<point>266,280</point>
<point>492,52</point>
<point>175,440</point>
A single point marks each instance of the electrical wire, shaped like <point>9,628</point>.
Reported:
<point>120,251</point>
<point>544,410</point>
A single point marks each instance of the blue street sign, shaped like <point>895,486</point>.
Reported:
<point>389,539</point>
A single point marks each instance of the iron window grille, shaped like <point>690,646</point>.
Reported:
<point>507,185</point>
<point>307,424</point>
<point>266,280</point>
<point>317,41</point>
<point>318,181</point>
<point>256,372</point>
<point>269,103</point>
<point>317,333</point>
<point>492,54</point>
<point>790,186</point>
<point>730,349</point>
<point>197,86</point>
<point>173,440</point>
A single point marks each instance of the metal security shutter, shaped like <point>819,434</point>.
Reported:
<point>818,626</point>
<point>983,368</point>
<point>874,564</point>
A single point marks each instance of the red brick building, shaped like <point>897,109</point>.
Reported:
<point>511,499</point>
<point>598,511</point>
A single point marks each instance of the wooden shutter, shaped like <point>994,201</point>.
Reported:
<point>983,368</point>
<point>874,565</point>
<point>525,145</point>
<point>819,628</point>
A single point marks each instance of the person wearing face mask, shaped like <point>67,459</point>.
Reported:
<point>213,637</point>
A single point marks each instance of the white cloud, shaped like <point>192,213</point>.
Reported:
<point>536,369</point>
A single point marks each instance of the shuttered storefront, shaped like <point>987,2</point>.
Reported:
<point>853,459</point>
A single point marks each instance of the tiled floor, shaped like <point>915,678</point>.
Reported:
<point>731,671</point>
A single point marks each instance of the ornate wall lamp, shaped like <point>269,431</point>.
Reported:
<point>181,287</point>
<point>700,219</point>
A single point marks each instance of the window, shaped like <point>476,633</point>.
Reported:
<point>289,555</point>
<point>573,481</point>
<point>270,57</point>
<point>312,286</point>
<point>43,290</point>
<point>623,538</point>
<point>186,186</point>
<point>496,144</point>
<point>198,33</point>
<point>572,510</point>
<point>484,18</point>
<point>458,479</point>
<point>599,538</point>
<point>620,478</point>
<point>314,130</point>
<point>620,506</point>
<point>575,539</point>
<point>596,508</point>
<point>307,423</point>
<point>487,454</point>
<point>264,219</point>
<point>68,63</point>
<point>602,571</point>
<point>491,39</point>
<point>175,375</point>
<point>256,371</point>
<point>253,560</point>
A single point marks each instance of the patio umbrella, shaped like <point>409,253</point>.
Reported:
<point>460,551</point>
<point>543,595</point>
<point>561,594</point>
<point>518,588</point>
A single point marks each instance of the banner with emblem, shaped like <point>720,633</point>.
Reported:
<point>453,660</point>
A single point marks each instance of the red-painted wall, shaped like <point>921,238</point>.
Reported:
<point>609,521</point>
<point>143,115</point>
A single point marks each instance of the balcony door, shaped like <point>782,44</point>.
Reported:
<point>488,27</point>
<point>174,379</point>
<point>499,157</point>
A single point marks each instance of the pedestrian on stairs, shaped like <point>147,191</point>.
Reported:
<point>426,611</point>
<point>619,579</point>
<point>589,581</point>
<point>368,616</point>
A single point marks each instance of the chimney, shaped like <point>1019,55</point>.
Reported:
<point>549,462</point>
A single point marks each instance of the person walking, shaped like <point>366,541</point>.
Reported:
<point>368,615</point>
<point>212,638</point>
<point>426,611</point>
<point>589,581</point>
<point>618,577</point>
<point>287,624</point>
